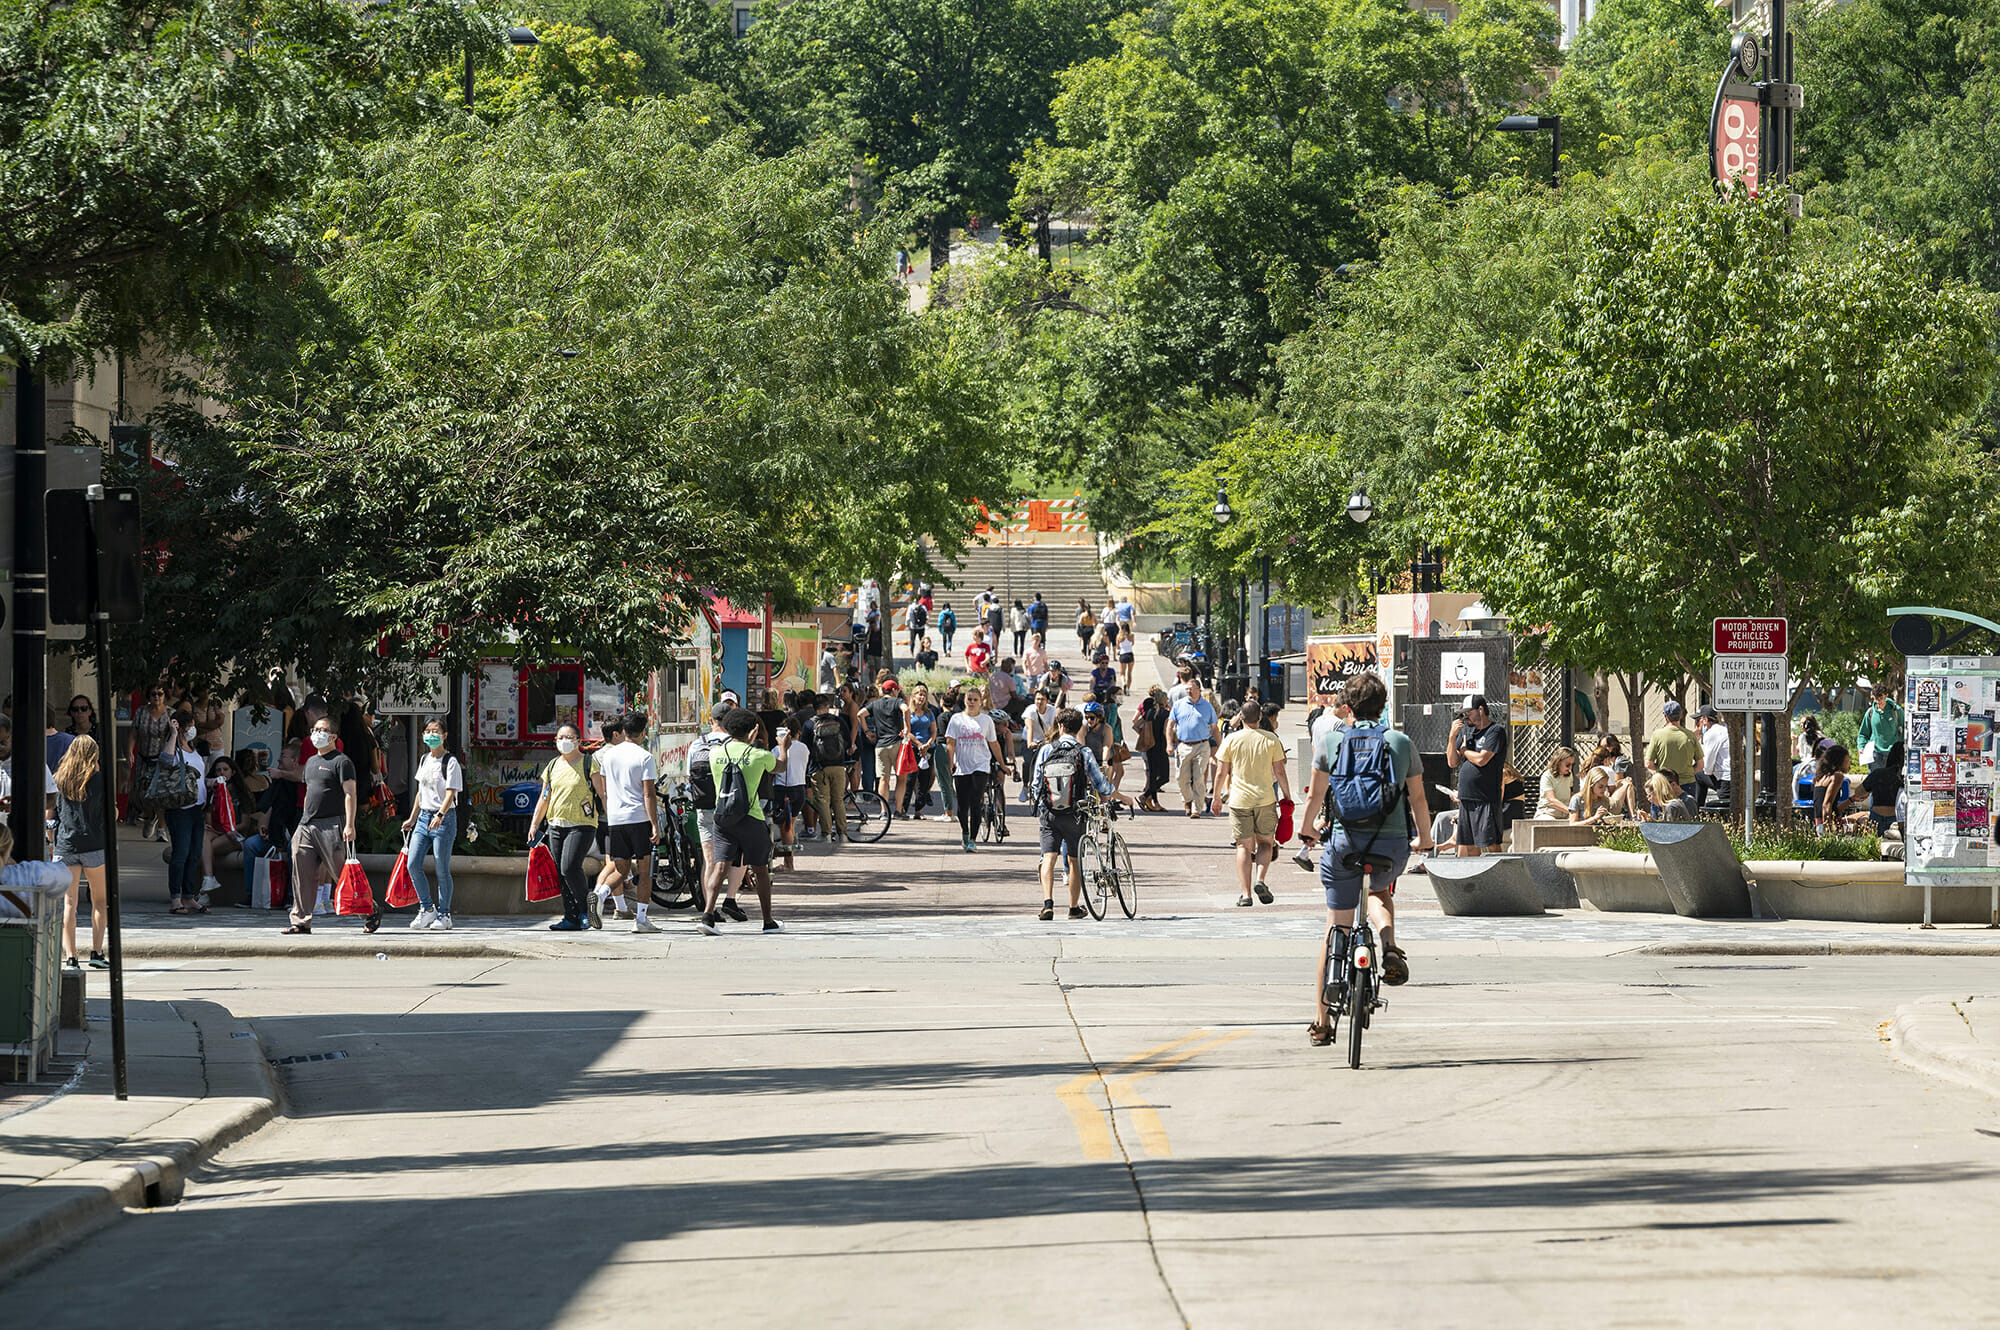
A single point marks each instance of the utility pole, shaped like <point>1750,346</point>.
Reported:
<point>31,583</point>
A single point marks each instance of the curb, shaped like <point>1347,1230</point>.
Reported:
<point>150,1169</point>
<point>1886,947</point>
<point>1934,1035</point>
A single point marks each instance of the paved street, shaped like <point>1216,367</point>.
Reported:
<point>908,1117</point>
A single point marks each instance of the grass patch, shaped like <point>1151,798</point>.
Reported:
<point>1768,840</point>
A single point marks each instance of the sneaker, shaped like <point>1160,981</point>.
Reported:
<point>97,961</point>
<point>1078,912</point>
<point>710,924</point>
<point>1048,911</point>
<point>425,918</point>
<point>594,904</point>
<point>773,926</point>
<point>644,926</point>
<point>970,848</point>
<point>441,924</point>
<point>567,925</point>
<point>71,963</point>
<point>735,911</point>
<point>209,884</point>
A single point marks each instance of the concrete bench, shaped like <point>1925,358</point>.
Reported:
<point>1617,881</point>
<point>1491,884</point>
<point>1535,834</point>
<point>1699,869</point>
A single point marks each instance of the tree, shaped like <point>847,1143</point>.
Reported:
<point>938,98</point>
<point>552,382</point>
<point>568,69</point>
<point>1654,65</point>
<point>1726,418</point>
<point>146,149</point>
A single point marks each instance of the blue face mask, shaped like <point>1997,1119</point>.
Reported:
<point>433,741</point>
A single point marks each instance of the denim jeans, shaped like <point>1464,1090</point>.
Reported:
<point>425,841</point>
<point>184,858</point>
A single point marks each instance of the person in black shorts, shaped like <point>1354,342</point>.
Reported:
<point>1478,748</point>
<point>625,775</point>
<point>742,845</point>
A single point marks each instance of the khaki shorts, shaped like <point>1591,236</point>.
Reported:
<point>1245,822</point>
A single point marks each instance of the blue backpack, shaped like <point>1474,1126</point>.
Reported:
<point>1362,787</point>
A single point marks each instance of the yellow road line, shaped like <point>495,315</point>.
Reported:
<point>1092,1127</point>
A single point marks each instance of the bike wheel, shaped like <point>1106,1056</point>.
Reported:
<point>867,816</point>
<point>993,818</point>
<point>1090,860</point>
<point>1360,994</point>
<point>1122,880</point>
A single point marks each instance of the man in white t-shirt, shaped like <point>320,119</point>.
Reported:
<point>626,779</point>
<point>975,751</point>
<point>1038,725</point>
<point>794,754</point>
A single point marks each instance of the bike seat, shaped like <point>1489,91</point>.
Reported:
<point>1355,860</point>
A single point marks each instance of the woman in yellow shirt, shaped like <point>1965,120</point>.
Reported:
<point>569,806</point>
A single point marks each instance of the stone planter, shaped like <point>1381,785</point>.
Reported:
<point>1699,868</point>
<point>1557,888</point>
<point>480,883</point>
<point>1871,893</point>
<point>1496,884</point>
<point>1614,880</point>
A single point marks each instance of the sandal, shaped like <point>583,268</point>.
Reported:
<point>179,907</point>
<point>200,906</point>
<point>1244,900</point>
<point>1395,966</point>
<point>1264,892</point>
<point>1321,1035</point>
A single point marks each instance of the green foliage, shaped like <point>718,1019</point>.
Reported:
<point>1654,65</point>
<point>146,149</point>
<point>1799,841</point>
<point>1726,418</point>
<point>553,382</point>
<point>571,71</point>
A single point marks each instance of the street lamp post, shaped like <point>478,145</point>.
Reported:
<point>517,37</point>
<point>1223,515</point>
<point>1535,124</point>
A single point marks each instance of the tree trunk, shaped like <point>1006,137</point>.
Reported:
<point>1044,246</point>
<point>1634,685</point>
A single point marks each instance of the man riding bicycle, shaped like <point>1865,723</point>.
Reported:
<point>1365,767</point>
<point>1062,769</point>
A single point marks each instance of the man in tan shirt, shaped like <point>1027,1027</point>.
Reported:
<point>1250,773</point>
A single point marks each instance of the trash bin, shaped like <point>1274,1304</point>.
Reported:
<point>517,806</point>
<point>30,985</point>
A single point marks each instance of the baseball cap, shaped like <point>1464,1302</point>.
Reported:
<point>1672,710</point>
<point>1477,702</point>
<point>719,710</point>
<point>1621,765</point>
<point>1708,713</point>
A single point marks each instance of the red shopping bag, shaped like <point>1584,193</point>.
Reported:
<point>906,758</point>
<point>543,883</point>
<point>354,895</point>
<point>402,891</point>
<point>1285,807</point>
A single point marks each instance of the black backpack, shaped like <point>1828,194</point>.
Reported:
<point>732,794</point>
<point>701,774</point>
<point>829,744</point>
<point>1062,776</point>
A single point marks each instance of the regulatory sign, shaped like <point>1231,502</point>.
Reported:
<point>1752,683</point>
<point>1751,637</point>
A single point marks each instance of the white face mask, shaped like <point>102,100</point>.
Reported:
<point>565,746</point>
<point>322,740</point>
<point>190,733</point>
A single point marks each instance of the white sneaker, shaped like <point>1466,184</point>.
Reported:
<point>441,924</point>
<point>209,884</point>
<point>425,918</point>
<point>645,926</point>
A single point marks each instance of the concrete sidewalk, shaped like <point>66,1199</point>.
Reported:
<point>72,1159</point>
<point>1956,1037</point>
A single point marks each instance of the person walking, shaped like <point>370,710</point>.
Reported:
<point>1882,726</point>
<point>626,782</point>
<point>918,616</point>
<point>744,782</point>
<point>1035,661</point>
<point>327,821</point>
<point>883,722</point>
<point>1038,616</point>
<point>793,755</point>
<point>1055,788</point>
<point>79,844</point>
<point>1714,777</point>
<point>995,613</point>
<point>1477,746</point>
<point>978,655</point>
<point>1127,652</point>
<point>1038,727</point>
<point>1190,739</point>
<point>1149,737</point>
<point>184,821</point>
<point>1017,620</point>
<point>153,736</point>
<point>975,752</point>
<point>832,740</point>
<point>922,730</point>
<point>568,806</point>
<point>1086,626</point>
<point>947,624</point>
<point>432,826</point>
<point>1250,777</point>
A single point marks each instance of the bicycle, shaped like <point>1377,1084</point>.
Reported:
<point>1352,989</point>
<point>1106,862</point>
<point>677,862</point>
<point>867,815</point>
<point>993,814</point>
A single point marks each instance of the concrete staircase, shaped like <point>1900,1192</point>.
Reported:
<point>1061,573</point>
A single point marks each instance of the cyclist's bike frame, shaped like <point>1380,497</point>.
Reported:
<point>1353,981</point>
<point>1106,863</point>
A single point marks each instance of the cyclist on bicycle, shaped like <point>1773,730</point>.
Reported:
<point>1399,791</point>
<point>1061,769</point>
